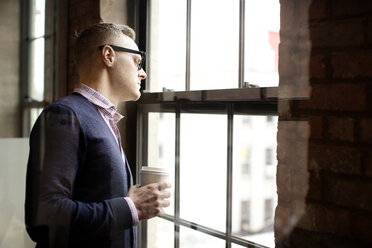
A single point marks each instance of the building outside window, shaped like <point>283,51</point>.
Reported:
<point>43,57</point>
<point>269,156</point>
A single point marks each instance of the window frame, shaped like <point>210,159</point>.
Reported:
<point>55,46</point>
<point>257,101</point>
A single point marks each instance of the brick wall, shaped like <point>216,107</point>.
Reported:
<point>325,128</point>
<point>81,14</point>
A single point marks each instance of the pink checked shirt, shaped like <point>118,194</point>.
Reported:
<point>112,117</point>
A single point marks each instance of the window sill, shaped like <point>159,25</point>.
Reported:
<point>269,94</point>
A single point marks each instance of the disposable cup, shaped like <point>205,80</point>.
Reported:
<point>153,175</point>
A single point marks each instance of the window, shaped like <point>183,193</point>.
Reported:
<point>203,115</point>
<point>246,161</point>
<point>245,217</point>
<point>33,67</point>
<point>269,156</point>
<point>209,44</point>
<point>40,68</point>
<point>269,210</point>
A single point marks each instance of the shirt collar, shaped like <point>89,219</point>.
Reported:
<point>99,101</point>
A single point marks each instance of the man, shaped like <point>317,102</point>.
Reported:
<point>78,187</point>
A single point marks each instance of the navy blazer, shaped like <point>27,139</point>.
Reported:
<point>76,180</point>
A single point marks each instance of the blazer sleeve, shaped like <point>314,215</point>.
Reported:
<point>57,144</point>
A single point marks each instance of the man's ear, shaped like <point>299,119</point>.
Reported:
<point>108,56</point>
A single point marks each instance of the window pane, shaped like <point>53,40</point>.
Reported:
<point>254,192</point>
<point>34,114</point>
<point>262,21</point>
<point>37,69</point>
<point>160,233</point>
<point>194,239</point>
<point>214,44</point>
<point>161,146</point>
<point>167,64</point>
<point>38,18</point>
<point>236,246</point>
<point>203,169</point>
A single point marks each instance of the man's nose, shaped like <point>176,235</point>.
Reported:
<point>142,74</point>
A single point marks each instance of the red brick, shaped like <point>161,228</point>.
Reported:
<point>352,64</point>
<point>283,181</point>
<point>366,130</point>
<point>285,108</point>
<point>368,31</point>
<point>305,239</point>
<point>337,33</point>
<point>336,159</point>
<point>299,182</point>
<point>340,128</point>
<point>332,221</point>
<point>316,127</point>
<point>84,8</point>
<point>293,136</point>
<point>348,33</point>
<point>317,9</point>
<point>320,34</point>
<point>287,17</point>
<point>294,59</point>
<point>282,224</point>
<point>351,7</point>
<point>342,96</point>
<point>315,186</point>
<point>325,220</point>
<point>368,163</point>
<point>317,67</point>
<point>348,193</point>
<point>362,227</point>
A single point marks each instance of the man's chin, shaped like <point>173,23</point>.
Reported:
<point>135,98</point>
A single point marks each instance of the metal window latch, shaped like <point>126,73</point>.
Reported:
<point>249,85</point>
<point>168,94</point>
<point>167,90</point>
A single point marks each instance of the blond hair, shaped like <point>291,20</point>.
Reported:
<point>98,34</point>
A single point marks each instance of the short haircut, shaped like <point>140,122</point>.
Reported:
<point>98,34</point>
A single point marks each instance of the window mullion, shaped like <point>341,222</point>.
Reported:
<point>241,42</point>
<point>229,173</point>
<point>177,178</point>
<point>188,45</point>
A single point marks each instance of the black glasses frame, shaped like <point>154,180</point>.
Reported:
<point>123,49</point>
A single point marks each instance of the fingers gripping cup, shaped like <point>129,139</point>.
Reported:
<point>153,175</point>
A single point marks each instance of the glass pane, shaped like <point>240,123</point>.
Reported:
<point>236,246</point>
<point>262,22</point>
<point>193,239</point>
<point>203,169</point>
<point>254,182</point>
<point>160,233</point>
<point>214,44</point>
<point>38,18</point>
<point>37,69</point>
<point>167,50</point>
<point>34,114</point>
<point>161,146</point>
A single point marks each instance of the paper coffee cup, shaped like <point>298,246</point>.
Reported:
<point>153,175</point>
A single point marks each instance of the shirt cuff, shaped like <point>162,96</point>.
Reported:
<point>133,210</point>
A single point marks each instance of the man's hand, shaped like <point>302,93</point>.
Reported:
<point>150,199</point>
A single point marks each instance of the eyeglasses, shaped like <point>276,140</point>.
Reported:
<point>123,49</point>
